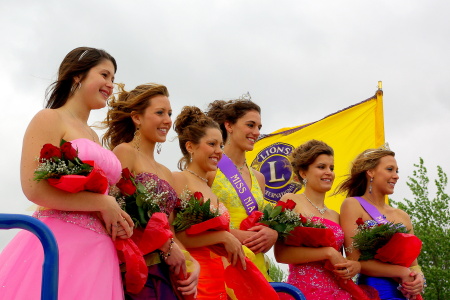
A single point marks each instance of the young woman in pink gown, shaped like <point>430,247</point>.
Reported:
<point>83,223</point>
<point>313,163</point>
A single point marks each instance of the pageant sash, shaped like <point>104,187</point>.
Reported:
<point>372,211</point>
<point>232,174</point>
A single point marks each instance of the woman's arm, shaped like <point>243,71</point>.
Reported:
<point>48,127</point>
<point>299,255</point>
<point>351,210</point>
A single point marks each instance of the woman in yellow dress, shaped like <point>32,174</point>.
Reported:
<point>240,187</point>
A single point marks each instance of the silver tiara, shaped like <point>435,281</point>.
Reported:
<point>384,147</point>
<point>246,97</point>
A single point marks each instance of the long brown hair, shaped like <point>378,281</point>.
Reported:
<point>356,182</point>
<point>119,124</point>
<point>77,62</point>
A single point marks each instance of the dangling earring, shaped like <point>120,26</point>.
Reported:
<point>137,139</point>
<point>370,185</point>
<point>305,181</point>
<point>158,148</point>
<point>190,157</point>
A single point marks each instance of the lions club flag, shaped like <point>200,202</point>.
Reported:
<point>349,132</point>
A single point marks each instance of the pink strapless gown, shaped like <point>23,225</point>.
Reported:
<point>88,263</point>
<point>313,279</point>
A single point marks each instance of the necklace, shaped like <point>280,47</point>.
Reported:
<point>85,126</point>
<point>321,210</point>
<point>195,174</point>
<point>241,167</point>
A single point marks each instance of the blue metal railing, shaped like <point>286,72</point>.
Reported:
<point>288,289</point>
<point>49,289</point>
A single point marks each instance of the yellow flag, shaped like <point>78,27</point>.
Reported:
<point>349,132</point>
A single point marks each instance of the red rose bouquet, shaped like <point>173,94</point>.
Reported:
<point>280,218</point>
<point>142,201</point>
<point>194,215</point>
<point>388,242</point>
<point>62,168</point>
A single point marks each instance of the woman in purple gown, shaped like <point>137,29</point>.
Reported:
<point>138,122</point>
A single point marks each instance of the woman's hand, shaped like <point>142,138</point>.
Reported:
<point>413,287</point>
<point>335,257</point>
<point>122,233</point>
<point>262,241</point>
<point>234,250</point>
<point>348,269</point>
<point>176,260</point>
<point>113,217</point>
<point>189,285</point>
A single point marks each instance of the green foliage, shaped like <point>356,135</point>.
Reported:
<point>281,221</point>
<point>431,219</point>
<point>195,212</point>
<point>276,272</point>
<point>371,238</point>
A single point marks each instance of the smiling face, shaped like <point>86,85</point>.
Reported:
<point>208,152</point>
<point>97,86</point>
<point>385,175</point>
<point>155,122</point>
<point>245,131</point>
<point>320,173</point>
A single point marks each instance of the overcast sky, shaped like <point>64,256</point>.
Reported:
<point>300,61</point>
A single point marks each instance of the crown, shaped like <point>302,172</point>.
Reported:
<point>384,147</point>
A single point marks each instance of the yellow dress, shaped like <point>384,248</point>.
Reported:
<point>227,195</point>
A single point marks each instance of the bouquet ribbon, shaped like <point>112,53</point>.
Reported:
<point>251,220</point>
<point>402,249</point>
<point>132,251</point>
<point>324,237</point>
<point>255,283</point>
<point>95,181</point>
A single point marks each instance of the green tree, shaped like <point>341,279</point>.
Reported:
<point>430,218</point>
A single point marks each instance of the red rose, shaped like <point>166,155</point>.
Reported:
<point>303,219</point>
<point>126,173</point>
<point>359,221</point>
<point>49,151</point>
<point>290,204</point>
<point>282,204</point>
<point>198,196</point>
<point>126,187</point>
<point>178,203</point>
<point>68,151</point>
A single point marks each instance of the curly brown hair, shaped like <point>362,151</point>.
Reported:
<point>356,182</point>
<point>305,154</point>
<point>191,125</point>
<point>77,62</point>
<point>223,111</point>
<point>119,124</point>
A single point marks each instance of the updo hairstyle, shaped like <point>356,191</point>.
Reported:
<point>191,125</point>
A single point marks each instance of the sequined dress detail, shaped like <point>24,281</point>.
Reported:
<point>158,285</point>
<point>313,279</point>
